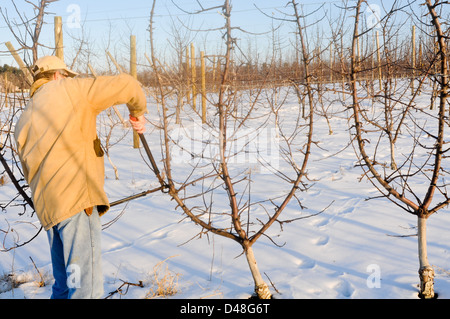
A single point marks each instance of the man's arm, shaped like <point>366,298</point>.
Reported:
<point>105,91</point>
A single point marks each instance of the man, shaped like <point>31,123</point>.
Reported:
<point>62,162</point>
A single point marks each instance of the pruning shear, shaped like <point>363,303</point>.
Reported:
<point>164,186</point>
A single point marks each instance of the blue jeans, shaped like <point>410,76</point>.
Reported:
<point>76,257</point>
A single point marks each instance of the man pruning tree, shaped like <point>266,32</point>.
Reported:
<point>62,161</point>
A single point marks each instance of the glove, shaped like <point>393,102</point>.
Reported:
<point>138,123</point>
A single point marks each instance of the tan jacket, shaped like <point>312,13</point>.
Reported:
<point>56,139</point>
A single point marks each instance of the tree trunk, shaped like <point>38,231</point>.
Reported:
<point>393,163</point>
<point>261,289</point>
<point>426,272</point>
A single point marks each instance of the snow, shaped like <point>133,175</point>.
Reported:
<point>352,248</point>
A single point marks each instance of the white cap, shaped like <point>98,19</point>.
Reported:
<point>50,63</point>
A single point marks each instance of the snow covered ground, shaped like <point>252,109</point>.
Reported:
<point>356,249</point>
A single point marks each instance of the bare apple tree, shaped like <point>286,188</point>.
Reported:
<point>26,30</point>
<point>219,158</point>
<point>402,184</point>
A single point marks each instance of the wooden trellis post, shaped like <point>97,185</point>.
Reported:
<point>23,67</point>
<point>59,47</point>
<point>114,62</point>
<point>193,77</point>
<point>133,72</point>
<point>203,69</point>
<point>188,95</point>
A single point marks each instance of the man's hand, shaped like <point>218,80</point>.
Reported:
<point>138,123</point>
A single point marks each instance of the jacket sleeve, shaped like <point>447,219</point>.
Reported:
<point>106,91</point>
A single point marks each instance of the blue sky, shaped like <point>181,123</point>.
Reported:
<point>109,24</point>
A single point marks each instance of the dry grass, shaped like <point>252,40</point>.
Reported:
<point>3,179</point>
<point>12,280</point>
<point>163,282</point>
